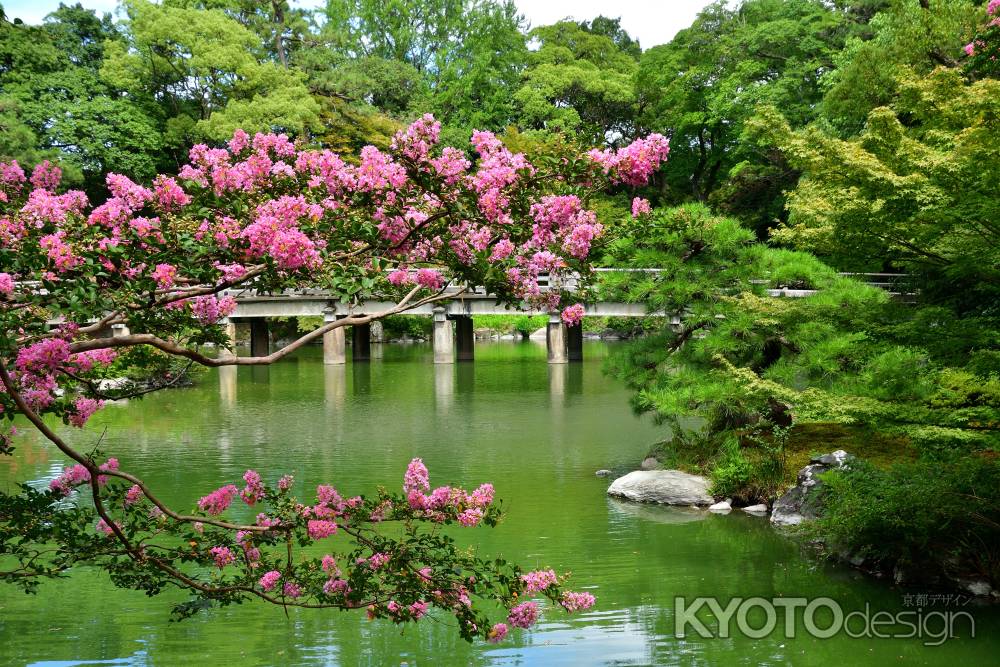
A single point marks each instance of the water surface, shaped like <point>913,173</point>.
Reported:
<point>538,432</point>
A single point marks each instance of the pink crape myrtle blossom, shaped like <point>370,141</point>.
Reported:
<point>83,409</point>
<point>573,315</point>
<point>133,495</point>
<point>640,207</point>
<point>539,580</point>
<point>218,501</point>
<point>577,601</point>
<point>319,528</point>
<point>264,214</point>
<point>223,556</point>
<point>46,176</point>
<point>523,615</point>
<point>269,580</point>
<point>497,633</point>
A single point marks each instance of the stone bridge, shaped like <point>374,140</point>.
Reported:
<point>453,336</point>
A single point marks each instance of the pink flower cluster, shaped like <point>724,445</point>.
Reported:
<point>497,633</point>
<point>576,601</point>
<point>269,580</point>
<point>46,176</point>
<point>223,556</point>
<point>416,483</point>
<point>210,309</point>
<point>320,528</point>
<point>573,315</point>
<point>83,408</point>
<point>218,501</point>
<point>539,580</point>
<point>640,207</point>
<point>635,163</point>
<point>523,615</point>
<point>76,475</point>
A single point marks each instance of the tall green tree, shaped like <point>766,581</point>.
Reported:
<point>201,65</point>
<point>460,59</point>
<point>54,105</point>
<point>580,81</point>
<point>704,85</point>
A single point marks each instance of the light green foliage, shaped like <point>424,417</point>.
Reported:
<point>580,80</point>
<point>915,34</point>
<point>748,363</point>
<point>917,187</point>
<point>203,64</point>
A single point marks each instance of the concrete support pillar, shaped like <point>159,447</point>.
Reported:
<point>465,339</point>
<point>574,342</point>
<point>361,342</point>
<point>260,344</point>
<point>378,333</point>
<point>555,339</point>
<point>228,350</point>
<point>443,341</point>
<point>119,330</point>
<point>334,343</point>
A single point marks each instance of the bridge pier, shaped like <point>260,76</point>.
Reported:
<point>574,342</point>
<point>443,341</point>
<point>361,342</point>
<point>334,343</point>
<point>555,340</point>
<point>119,330</point>
<point>260,345</point>
<point>228,350</point>
<point>465,338</point>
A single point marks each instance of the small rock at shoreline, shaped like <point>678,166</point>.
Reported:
<point>667,487</point>
<point>723,506</point>
<point>755,509</point>
<point>602,472</point>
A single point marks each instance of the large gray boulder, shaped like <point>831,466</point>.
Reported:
<point>801,502</point>
<point>667,487</point>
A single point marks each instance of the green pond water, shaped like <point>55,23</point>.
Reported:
<point>537,432</point>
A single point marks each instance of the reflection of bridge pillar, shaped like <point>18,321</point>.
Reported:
<point>227,385</point>
<point>444,386</point>
<point>443,342</point>
<point>361,342</point>
<point>464,338</point>
<point>556,339</point>
<point>334,343</point>
<point>361,379</point>
<point>334,385</point>
<point>557,383</point>
<point>260,346</point>
<point>228,349</point>
<point>574,342</point>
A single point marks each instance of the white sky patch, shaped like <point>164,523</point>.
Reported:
<point>652,22</point>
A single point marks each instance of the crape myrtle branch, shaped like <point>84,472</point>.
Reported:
<point>266,214</point>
